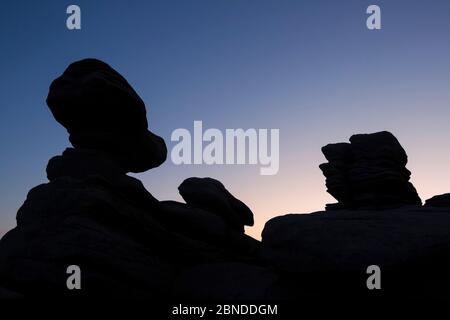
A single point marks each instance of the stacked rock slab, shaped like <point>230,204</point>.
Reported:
<point>368,173</point>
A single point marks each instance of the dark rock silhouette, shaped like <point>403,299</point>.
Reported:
<point>130,245</point>
<point>327,253</point>
<point>91,214</point>
<point>442,200</point>
<point>368,172</point>
<point>210,194</point>
<point>101,111</point>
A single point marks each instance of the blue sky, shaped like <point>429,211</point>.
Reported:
<point>310,68</point>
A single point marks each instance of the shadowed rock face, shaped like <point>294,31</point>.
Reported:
<point>368,172</point>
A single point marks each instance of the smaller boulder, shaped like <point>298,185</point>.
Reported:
<point>211,195</point>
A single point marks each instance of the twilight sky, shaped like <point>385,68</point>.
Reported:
<point>310,68</point>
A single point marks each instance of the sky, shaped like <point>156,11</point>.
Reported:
<point>312,69</point>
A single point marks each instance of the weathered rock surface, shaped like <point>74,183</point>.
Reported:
<point>368,172</point>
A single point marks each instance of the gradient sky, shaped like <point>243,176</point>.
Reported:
<point>310,68</point>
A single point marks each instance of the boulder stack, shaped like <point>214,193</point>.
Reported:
<point>368,173</point>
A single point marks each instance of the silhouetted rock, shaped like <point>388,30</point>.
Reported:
<point>102,221</point>
<point>101,111</point>
<point>203,225</point>
<point>211,195</point>
<point>328,252</point>
<point>130,245</point>
<point>442,200</point>
<point>368,172</point>
<point>91,214</point>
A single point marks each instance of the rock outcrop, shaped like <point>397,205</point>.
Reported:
<point>211,195</point>
<point>101,111</point>
<point>92,214</point>
<point>130,245</point>
<point>368,172</point>
<point>327,253</point>
<point>440,201</point>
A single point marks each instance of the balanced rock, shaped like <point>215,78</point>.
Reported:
<point>101,111</point>
<point>368,172</point>
<point>211,195</point>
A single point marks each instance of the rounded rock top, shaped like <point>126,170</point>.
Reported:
<point>101,111</point>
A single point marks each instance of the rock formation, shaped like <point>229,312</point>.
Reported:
<point>211,195</point>
<point>91,214</point>
<point>442,200</point>
<point>368,172</point>
<point>130,245</point>
<point>101,111</point>
<point>327,253</point>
